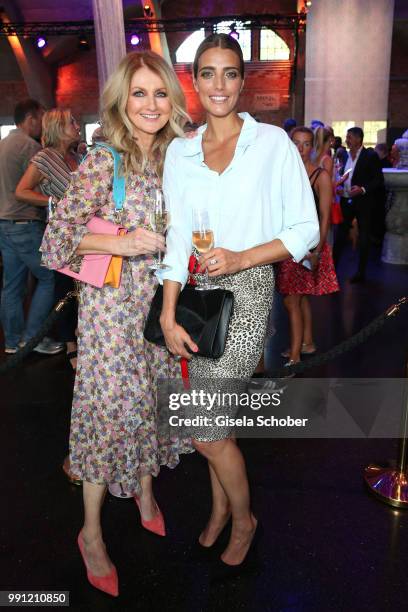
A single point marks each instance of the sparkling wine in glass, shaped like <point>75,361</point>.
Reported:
<point>203,240</point>
<point>159,222</point>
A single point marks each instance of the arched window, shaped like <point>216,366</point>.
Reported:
<point>243,36</point>
<point>186,51</point>
<point>273,47</point>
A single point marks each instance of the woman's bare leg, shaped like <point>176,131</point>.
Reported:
<point>148,504</point>
<point>227,461</point>
<point>95,550</point>
<point>292,305</point>
<point>220,512</point>
<point>260,368</point>
<point>307,321</point>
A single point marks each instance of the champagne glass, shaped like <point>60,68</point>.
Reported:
<point>159,222</point>
<point>203,240</point>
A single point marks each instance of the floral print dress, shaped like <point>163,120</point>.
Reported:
<point>114,424</point>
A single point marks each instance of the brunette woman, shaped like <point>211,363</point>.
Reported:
<point>250,180</point>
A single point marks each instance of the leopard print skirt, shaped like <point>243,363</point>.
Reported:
<point>253,294</point>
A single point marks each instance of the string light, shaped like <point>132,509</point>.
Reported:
<point>41,42</point>
<point>83,43</point>
<point>134,40</point>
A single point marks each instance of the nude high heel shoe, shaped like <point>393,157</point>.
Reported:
<point>108,584</point>
<point>155,525</point>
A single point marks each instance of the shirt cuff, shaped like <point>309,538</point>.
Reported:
<point>297,246</point>
<point>173,274</point>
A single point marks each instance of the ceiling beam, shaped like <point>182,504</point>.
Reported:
<point>143,24</point>
<point>35,71</point>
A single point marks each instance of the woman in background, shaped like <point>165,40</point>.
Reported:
<point>47,177</point>
<point>322,143</point>
<point>316,274</point>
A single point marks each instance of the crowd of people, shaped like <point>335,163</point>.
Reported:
<point>276,222</point>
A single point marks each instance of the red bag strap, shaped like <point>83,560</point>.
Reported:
<point>184,373</point>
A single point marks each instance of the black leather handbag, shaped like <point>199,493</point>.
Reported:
<point>205,316</point>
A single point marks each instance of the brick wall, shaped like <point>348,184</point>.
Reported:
<point>77,84</point>
<point>266,92</point>
<point>10,93</point>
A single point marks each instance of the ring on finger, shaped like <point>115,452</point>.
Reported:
<point>213,262</point>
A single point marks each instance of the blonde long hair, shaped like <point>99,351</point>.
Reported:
<point>55,123</point>
<point>322,136</point>
<point>116,125</point>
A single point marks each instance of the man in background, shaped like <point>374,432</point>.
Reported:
<point>358,198</point>
<point>22,227</point>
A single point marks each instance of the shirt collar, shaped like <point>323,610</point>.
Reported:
<point>193,146</point>
<point>357,154</point>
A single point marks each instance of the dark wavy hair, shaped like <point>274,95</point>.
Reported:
<point>221,41</point>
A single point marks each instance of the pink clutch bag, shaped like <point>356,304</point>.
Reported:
<point>94,268</point>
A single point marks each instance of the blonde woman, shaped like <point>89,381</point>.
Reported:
<point>113,435</point>
<point>48,175</point>
<point>322,142</point>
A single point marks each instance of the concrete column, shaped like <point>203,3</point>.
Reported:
<point>298,96</point>
<point>109,37</point>
<point>348,52</point>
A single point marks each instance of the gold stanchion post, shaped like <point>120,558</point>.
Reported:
<point>390,485</point>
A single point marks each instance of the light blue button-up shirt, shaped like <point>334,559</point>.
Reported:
<point>264,194</point>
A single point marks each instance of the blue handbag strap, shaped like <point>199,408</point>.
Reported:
<point>119,182</point>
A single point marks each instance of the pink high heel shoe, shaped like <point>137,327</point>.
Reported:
<point>155,525</point>
<point>109,583</point>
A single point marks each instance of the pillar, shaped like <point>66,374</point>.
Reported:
<point>348,53</point>
<point>109,37</point>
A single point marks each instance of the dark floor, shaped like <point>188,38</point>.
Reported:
<point>326,544</point>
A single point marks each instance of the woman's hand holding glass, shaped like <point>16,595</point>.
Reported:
<point>140,242</point>
<point>221,261</point>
